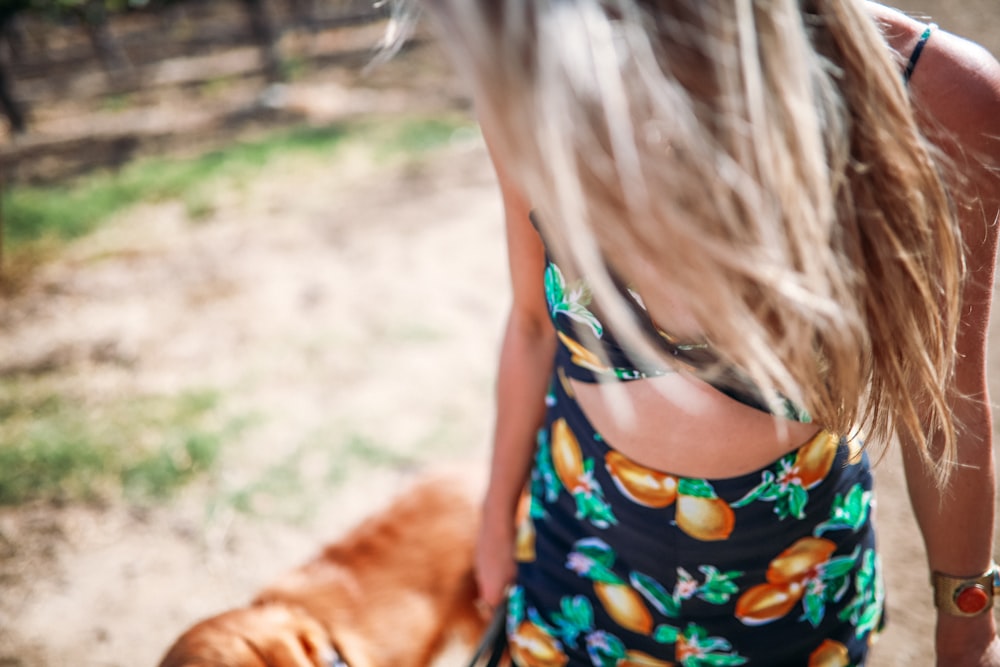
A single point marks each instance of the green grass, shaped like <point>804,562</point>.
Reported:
<point>414,137</point>
<point>57,447</point>
<point>294,486</point>
<point>68,211</point>
<point>54,448</point>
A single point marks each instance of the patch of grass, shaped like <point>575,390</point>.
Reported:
<point>294,67</point>
<point>362,449</point>
<point>276,491</point>
<point>53,448</point>
<point>291,488</point>
<point>71,210</point>
<point>417,136</point>
<point>217,86</point>
<point>116,102</point>
<point>67,211</point>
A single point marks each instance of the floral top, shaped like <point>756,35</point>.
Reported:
<point>595,355</point>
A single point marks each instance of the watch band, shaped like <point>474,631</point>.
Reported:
<point>966,596</point>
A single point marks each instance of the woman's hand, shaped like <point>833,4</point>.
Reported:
<point>967,642</point>
<point>495,567</point>
<point>988,656</point>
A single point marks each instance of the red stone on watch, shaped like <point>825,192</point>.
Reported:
<point>965,596</point>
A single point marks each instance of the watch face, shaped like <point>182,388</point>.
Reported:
<point>972,598</point>
<point>966,596</point>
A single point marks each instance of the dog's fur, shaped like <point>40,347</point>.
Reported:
<point>390,593</point>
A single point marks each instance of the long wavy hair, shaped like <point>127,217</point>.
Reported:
<point>755,164</point>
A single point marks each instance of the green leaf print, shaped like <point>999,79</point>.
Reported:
<point>570,300</point>
<point>593,559</point>
<point>766,490</point>
<point>787,494</point>
<point>698,488</point>
<point>590,502</point>
<point>794,412</point>
<point>837,588</point>
<point>555,285</point>
<point>718,586</point>
<point>869,620</point>
<point>596,550</point>
<point>604,649</point>
<point>594,509</point>
<point>839,566</point>
<point>666,634</point>
<point>515,608</point>
<point>865,609</point>
<point>536,510</point>
<point>604,575</point>
<point>717,589</point>
<point>848,512</point>
<point>655,594</point>
<point>575,617</point>
<point>700,650</point>
<point>814,606</point>
<point>544,470</point>
<point>715,660</point>
<point>792,503</point>
<point>536,618</point>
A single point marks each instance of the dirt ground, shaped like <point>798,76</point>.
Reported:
<point>352,309</point>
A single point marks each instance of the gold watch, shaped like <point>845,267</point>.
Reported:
<point>966,596</point>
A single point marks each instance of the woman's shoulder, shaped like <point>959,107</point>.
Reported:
<point>955,81</point>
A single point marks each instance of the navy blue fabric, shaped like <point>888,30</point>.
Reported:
<point>596,514</point>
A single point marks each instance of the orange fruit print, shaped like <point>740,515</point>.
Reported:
<point>625,606</point>
<point>531,646</point>
<point>640,484</point>
<point>830,654</point>
<point>787,575</point>
<point>567,459</point>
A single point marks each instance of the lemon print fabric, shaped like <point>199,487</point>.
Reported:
<point>581,332</point>
<point>621,565</point>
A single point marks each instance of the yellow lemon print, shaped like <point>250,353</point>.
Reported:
<point>800,560</point>
<point>524,542</point>
<point>815,458</point>
<point>635,658</point>
<point>625,606</point>
<point>581,356</point>
<point>639,484</point>
<point>706,519</point>
<point>567,459</point>
<point>564,381</point>
<point>829,654</point>
<point>854,451</point>
<point>767,602</point>
<point>530,646</point>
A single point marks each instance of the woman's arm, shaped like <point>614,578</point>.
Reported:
<point>525,365</point>
<point>957,85</point>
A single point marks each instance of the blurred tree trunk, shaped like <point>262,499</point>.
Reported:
<point>11,107</point>
<point>303,14</point>
<point>266,37</point>
<point>94,17</point>
<point>3,192</point>
<point>13,36</point>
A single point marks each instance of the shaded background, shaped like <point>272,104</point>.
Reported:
<point>250,287</point>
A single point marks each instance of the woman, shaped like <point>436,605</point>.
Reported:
<point>746,239</point>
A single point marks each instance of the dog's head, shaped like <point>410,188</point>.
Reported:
<point>265,635</point>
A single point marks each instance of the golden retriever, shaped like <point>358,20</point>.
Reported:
<point>391,593</point>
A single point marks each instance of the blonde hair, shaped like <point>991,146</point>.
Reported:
<point>757,162</point>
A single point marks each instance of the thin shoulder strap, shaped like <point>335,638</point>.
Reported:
<point>917,50</point>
